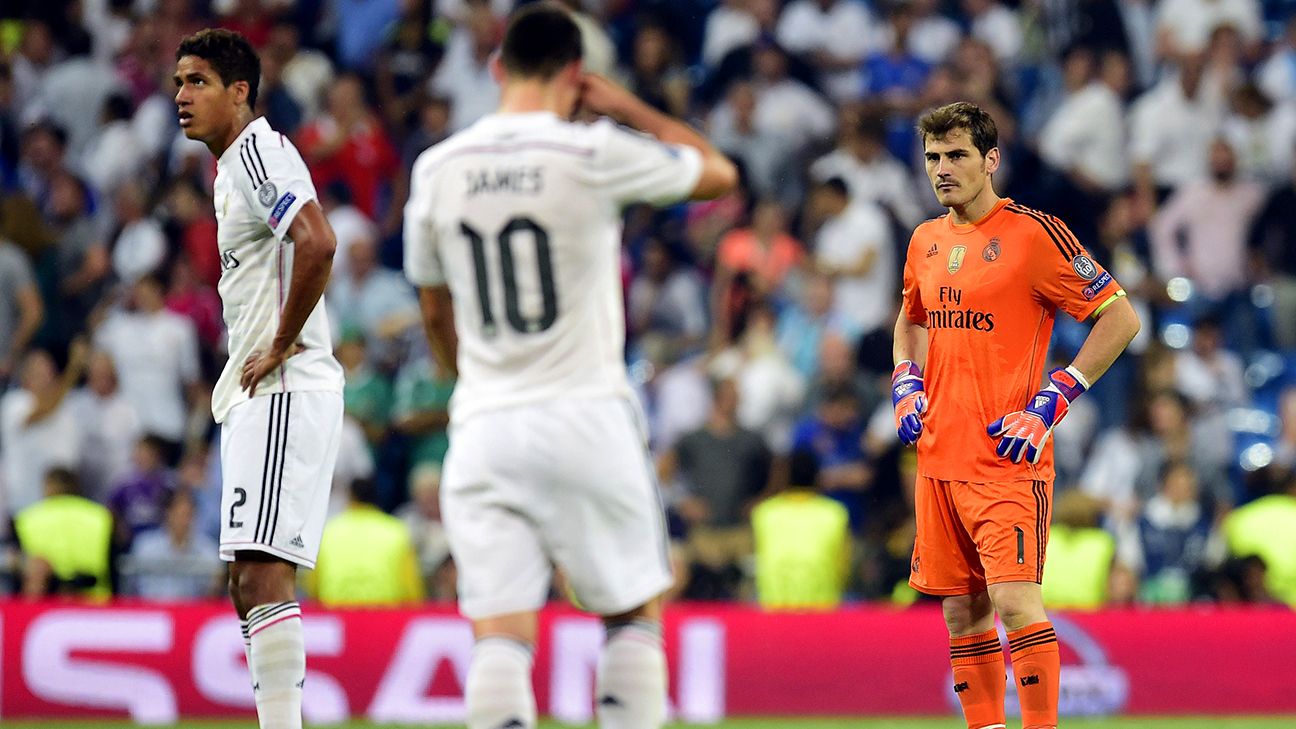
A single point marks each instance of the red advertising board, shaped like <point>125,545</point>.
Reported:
<point>156,664</point>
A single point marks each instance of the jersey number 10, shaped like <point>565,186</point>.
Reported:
<point>549,299</point>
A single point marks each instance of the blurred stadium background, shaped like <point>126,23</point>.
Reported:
<point>1162,131</point>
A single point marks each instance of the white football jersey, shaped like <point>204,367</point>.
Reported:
<point>261,185</point>
<point>520,215</point>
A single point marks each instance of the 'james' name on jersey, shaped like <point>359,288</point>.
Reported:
<point>531,250</point>
<point>261,185</point>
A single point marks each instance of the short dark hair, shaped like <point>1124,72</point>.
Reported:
<point>65,480</point>
<point>803,469</point>
<point>540,40</point>
<point>836,185</point>
<point>230,55</point>
<point>364,491</point>
<point>961,115</point>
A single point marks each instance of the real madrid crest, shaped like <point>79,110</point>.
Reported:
<point>991,251</point>
<point>267,194</point>
<point>956,259</point>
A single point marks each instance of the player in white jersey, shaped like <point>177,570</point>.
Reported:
<point>512,234</point>
<point>279,399</point>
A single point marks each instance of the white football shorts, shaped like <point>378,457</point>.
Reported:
<point>556,483</point>
<point>277,457</point>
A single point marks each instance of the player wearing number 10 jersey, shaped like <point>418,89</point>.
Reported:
<point>514,226</point>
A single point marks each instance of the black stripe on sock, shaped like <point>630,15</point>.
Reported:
<point>283,458</point>
<point>1046,632</point>
<point>976,646</point>
<point>977,654</point>
<point>270,612</point>
<point>1032,644</point>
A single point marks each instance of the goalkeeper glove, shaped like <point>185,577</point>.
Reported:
<point>1025,432</point>
<point>910,401</point>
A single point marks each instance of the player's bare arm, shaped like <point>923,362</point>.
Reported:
<point>601,96</point>
<point>1113,330</point>
<point>910,341</point>
<point>438,324</point>
<point>313,245</point>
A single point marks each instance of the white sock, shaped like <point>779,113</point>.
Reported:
<point>630,687</point>
<point>247,646</point>
<point>498,690</point>
<point>278,661</point>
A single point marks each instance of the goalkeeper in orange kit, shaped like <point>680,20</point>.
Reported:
<point>982,285</point>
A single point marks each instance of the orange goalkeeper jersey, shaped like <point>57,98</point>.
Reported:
<point>987,293</point>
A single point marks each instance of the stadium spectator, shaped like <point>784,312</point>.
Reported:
<point>367,394</point>
<point>348,144</point>
<point>723,467</point>
<point>1277,73</point>
<point>1173,541</point>
<point>139,246</point>
<point>372,299</point>
<point>21,309</point>
<point>1263,528</point>
<point>1079,569</point>
<point>656,74</point>
<point>361,27</point>
<point>65,539</point>
<point>854,246</point>
<point>174,561</point>
<point>109,428</point>
<point>835,35</point>
<point>402,70</point>
<point>1209,375</point>
<point>421,410</point>
<point>1083,142</point>
<point>834,434</point>
<point>931,36</point>
<point>1171,126</point>
<point>1185,26</point>
<point>751,263</point>
<point>1213,218</point>
<point>804,326</point>
<point>767,155</point>
<point>80,257</point>
<point>731,25</point>
<point>156,354</point>
<point>1270,249</point>
<point>112,155</point>
<point>464,75</point>
<point>138,501</point>
<point>802,543</point>
<point>667,301</point>
<point>366,557</point>
<point>770,389</point>
<point>422,516</point>
<point>38,430</point>
<point>996,25</point>
<point>1262,135</point>
<point>871,173</point>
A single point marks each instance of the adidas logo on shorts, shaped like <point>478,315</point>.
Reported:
<point>297,542</point>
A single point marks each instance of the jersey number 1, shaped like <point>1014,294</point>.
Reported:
<point>549,299</point>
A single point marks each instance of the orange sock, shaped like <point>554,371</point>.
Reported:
<point>979,678</point>
<point>1036,666</point>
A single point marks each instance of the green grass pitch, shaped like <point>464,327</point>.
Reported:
<point>791,723</point>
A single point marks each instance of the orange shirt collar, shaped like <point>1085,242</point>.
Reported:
<point>964,228</point>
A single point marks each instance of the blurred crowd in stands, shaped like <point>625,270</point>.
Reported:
<point>1162,131</point>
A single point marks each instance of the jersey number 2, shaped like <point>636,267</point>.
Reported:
<point>544,260</point>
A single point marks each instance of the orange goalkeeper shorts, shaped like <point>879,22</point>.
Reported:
<point>975,534</point>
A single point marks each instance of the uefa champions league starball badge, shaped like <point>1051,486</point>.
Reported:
<point>267,193</point>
